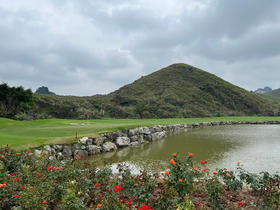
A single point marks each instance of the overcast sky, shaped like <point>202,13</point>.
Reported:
<point>96,46</point>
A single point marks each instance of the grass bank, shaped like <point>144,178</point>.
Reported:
<point>27,134</point>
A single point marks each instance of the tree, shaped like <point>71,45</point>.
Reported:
<point>15,100</point>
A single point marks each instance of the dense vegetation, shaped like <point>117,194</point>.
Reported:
<point>15,102</point>
<point>178,90</point>
<point>26,134</point>
<point>27,182</point>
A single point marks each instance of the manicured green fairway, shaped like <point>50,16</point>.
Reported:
<point>26,134</point>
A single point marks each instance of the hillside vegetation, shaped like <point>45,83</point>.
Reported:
<point>179,90</point>
<point>275,93</point>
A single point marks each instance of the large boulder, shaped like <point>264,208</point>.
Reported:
<point>99,141</point>
<point>58,148</point>
<point>123,141</point>
<point>93,149</point>
<point>67,151</point>
<point>157,135</point>
<point>48,150</point>
<point>109,146</point>
<point>83,140</point>
<point>144,130</point>
<point>37,152</point>
<point>133,132</point>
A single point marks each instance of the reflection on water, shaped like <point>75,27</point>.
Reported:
<point>257,147</point>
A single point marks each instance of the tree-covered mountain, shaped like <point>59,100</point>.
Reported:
<point>179,90</point>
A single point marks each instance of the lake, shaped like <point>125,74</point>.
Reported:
<point>256,147</point>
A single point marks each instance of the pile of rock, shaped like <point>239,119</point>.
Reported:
<point>129,137</point>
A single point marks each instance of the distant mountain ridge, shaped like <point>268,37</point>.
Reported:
<point>179,90</point>
<point>263,90</point>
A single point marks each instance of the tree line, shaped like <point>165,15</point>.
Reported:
<point>15,100</point>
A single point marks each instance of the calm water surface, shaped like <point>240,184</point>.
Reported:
<point>257,147</point>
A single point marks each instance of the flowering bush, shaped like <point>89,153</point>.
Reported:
<point>28,182</point>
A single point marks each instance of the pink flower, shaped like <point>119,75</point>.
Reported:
<point>238,163</point>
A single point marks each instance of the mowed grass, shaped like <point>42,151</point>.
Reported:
<point>28,134</point>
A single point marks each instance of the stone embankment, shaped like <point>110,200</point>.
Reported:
<point>107,142</point>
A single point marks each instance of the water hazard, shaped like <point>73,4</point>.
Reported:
<point>257,147</point>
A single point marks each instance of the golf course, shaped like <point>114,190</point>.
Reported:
<point>30,134</point>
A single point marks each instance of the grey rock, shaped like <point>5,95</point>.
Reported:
<point>67,151</point>
<point>93,149</point>
<point>58,148</point>
<point>83,153</point>
<point>37,152</point>
<point>83,140</point>
<point>132,132</point>
<point>158,135</point>
<point>146,131</point>
<point>99,141</point>
<point>109,146</point>
<point>134,138</point>
<point>113,136</point>
<point>76,146</point>
<point>48,148</point>
<point>123,141</point>
<point>135,143</point>
<point>83,147</point>
<point>89,141</point>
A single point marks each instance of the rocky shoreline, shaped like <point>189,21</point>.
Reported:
<point>107,142</point>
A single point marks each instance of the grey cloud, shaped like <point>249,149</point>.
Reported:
<point>88,47</point>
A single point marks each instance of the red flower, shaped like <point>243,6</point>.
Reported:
<point>116,190</point>
<point>50,168</point>
<point>205,161</point>
<point>121,201</point>
<point>17,153</point>
<point>2,156</point>
<point>202,162</point>
<point>57,168</point>
<point>45,202</point>
<point>23,187</point>
<point>240,203</point>
<point>97,185</point>
<point>238,163</point>
<point>17,179</point>
<point>39,175</point>
<point>119,188</point>
<point>16,195</point>
<point>129,203</point>
<point>12,174</point>
<point>99,196</point>
<point>215,173</point>
<point>203,170</point>
<point>4,182</point>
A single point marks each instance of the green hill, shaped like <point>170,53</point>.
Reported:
<point>275,93</point>
<point>178,90</point>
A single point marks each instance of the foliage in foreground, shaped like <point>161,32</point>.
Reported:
<point>39,183</point>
